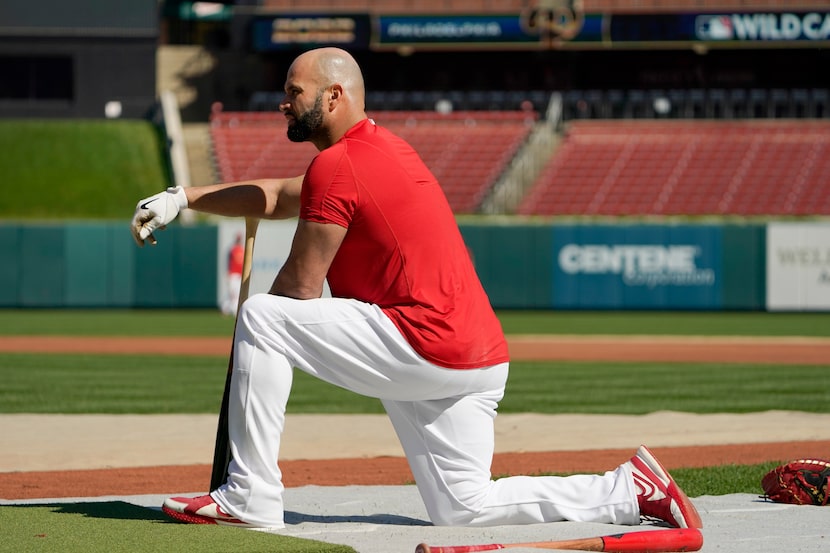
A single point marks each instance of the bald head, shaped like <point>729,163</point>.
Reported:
<point>336,66</point>
<point>324,96</point>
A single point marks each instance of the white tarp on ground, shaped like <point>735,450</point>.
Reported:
<point>392,519</point>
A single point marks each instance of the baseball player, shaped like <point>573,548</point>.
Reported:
<point>236,256</point>
<point>409,323</point>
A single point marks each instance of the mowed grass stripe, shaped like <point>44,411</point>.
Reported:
<point>59,383</point>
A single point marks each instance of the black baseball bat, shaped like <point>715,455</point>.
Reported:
<point>222,447</point>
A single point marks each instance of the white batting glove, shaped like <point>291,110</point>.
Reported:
<point>155,212</point>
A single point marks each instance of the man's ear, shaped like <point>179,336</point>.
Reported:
<point>335,94</point>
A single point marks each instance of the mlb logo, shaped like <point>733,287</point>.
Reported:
<point>714,27</point>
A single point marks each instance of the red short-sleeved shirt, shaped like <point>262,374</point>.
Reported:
<point>403,250</point>
<point>236,259</point>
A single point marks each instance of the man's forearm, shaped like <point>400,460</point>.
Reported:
<point>262,198</point>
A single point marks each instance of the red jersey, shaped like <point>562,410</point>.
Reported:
<point>236,258</point>
<point>403,250</point>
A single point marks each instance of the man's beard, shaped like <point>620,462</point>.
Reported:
<point>307,124</point>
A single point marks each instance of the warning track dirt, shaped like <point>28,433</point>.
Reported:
<point>795,350</point>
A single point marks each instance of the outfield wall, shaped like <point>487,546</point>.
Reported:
<point>99,265</point>
<point>798,267</point>
<point>685,267</point>
<point>780,266</point>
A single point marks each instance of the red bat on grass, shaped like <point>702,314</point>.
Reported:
<point>650,541</point>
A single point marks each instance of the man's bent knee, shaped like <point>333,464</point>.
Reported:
<point>452,513</point>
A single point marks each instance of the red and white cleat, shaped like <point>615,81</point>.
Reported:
<point>200,510</point>
<point>658,494</point>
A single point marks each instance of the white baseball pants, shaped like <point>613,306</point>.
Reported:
<point>443,418</point>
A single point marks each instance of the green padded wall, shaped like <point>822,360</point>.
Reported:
<point>41,254</point>
<point>513,262</point>
<point>84,265</point>
<point>179,271</point>
<point>98,265</point>
<point>744,267</point>
<point>10,274</point>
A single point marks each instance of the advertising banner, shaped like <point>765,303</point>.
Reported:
<point>725,28</point>
<point>454,30</point>
<point>282,32</point>
<point>271,249</point>
<point>798,266</point>
<point>637,267</point>
<point>564,28</point>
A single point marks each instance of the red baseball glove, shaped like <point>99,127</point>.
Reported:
<point>800,482</point>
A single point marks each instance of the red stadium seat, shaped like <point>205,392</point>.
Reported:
<point>466,151</point>
<point>687,168</point>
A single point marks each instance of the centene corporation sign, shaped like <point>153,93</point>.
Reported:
<point>638,264</point>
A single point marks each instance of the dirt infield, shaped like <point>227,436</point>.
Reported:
<point>393,470</point>
<point>379,470</point>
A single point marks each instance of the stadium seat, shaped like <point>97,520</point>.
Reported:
<point>779,167</point>
<point>467,151</point>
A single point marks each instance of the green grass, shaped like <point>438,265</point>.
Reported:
<point>129,384</point>
<point>77,384</point>
<point>725,479</point>
<point>114,322</point>
<point>722,480</point>
<point>639,388</point>
<point>61,383</point>
<point>78,169</point>
<point>110,384</point>
<point>118,527</point>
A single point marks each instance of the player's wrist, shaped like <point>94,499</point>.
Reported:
<point>179,196</point>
